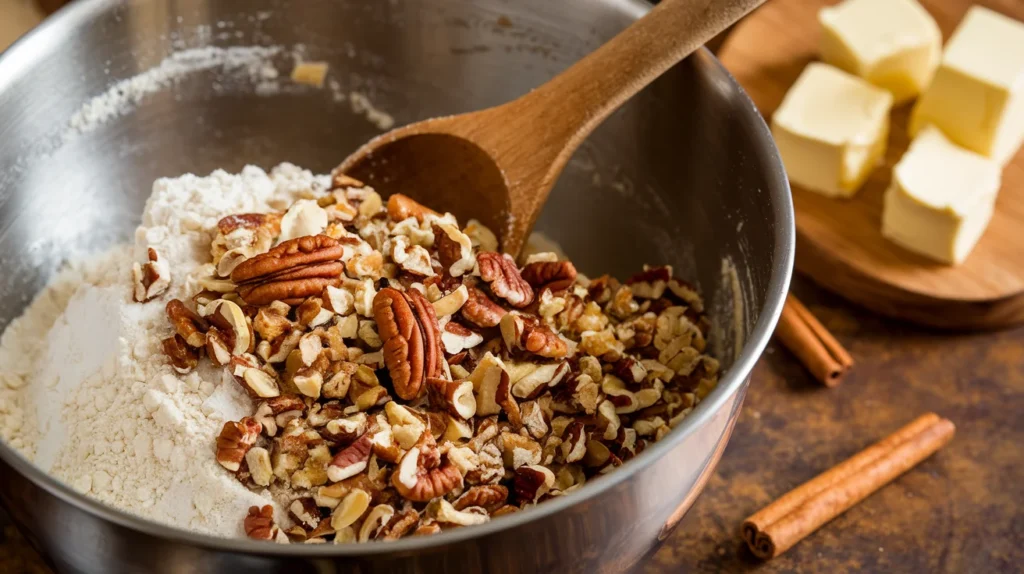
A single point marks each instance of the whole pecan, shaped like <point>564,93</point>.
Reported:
<point>480,310</point>
<point>291,254</point>
<point>487,496</point>
<point>501,273</point>
<point>259,524</point>
<point>553,275</point>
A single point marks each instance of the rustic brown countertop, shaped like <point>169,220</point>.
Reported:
<point>959,511</point>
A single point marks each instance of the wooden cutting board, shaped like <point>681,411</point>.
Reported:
<point>839,242</point>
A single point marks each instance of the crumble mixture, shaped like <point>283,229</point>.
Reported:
<point>291,358</point>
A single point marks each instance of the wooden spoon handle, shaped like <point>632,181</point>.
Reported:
<point>575,102</point>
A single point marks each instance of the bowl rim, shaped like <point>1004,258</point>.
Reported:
<point>18,55</point>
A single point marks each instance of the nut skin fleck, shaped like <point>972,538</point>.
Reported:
<point>501,273</point>
<point>554,275</point>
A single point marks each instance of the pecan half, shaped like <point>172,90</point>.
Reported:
<point>291,292</point>
<point>553,275</point>
<point>290,254</point>
<point>480,310</point>
<point>259,524</point>
<point>489,496</point>
<point>412,339</point>
<point>501,273</point>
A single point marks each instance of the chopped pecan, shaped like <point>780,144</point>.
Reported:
<point>553,275</point>
<point>415,482</point>
<point>454,396</point>
<point>488,496</point>
<point>427,529</point>
<point>454,249</point>
<point>253,221</point>
<point>400,524</point>
<point>152,278</point>
<point>187,323</point>
<point>651,274</point>
<point>403,207</point>
<point>480,310</point>
<point>182,357</point>
<point>532,481</point>
<point>501,273</point>
<point>259,524</point>
<point>236,438</point>
<point>526,332</point>
<point>351,460</point>
<point>503,396</point>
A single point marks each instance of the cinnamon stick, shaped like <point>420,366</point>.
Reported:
<point>783,523</point>
<point>813,345</point>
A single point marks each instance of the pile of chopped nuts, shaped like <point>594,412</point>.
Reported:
<point>409,378</point>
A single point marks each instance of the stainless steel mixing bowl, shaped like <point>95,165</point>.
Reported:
<point>686,174</point>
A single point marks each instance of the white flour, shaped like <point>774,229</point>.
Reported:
<point>86,392</point>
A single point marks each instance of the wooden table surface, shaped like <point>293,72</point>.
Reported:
<point>959,511</point>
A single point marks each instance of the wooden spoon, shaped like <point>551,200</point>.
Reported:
<point>499,164</point>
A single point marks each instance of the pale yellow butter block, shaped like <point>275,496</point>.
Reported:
<point>894,44</point>
<point>941,198</point>
<point>977,95</point>
<point>831,130</point>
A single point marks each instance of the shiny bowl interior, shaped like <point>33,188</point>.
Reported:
<point>684,174</point>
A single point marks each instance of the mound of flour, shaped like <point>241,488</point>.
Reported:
<point>85,391</point>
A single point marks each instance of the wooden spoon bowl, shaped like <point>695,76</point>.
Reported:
<point>498,165</point>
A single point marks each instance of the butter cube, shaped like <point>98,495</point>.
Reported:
<point>977,96</point>
<point>894,44</point>
<point>831,130</point>
<point>941,198</point>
